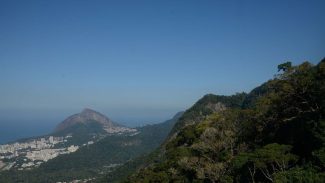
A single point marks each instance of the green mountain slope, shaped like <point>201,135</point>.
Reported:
<point>207,105</point>
<point>276,133</point>
<point>121,172</point>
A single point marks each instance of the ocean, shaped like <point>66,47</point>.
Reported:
<point>12,130</point>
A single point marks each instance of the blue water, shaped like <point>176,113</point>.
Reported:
<point>11,131</point>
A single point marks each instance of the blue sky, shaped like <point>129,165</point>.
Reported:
<point>143,61</point>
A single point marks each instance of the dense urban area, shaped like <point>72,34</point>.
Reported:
<point>32,153</point>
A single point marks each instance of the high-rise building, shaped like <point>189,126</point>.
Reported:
<point>51,139</point>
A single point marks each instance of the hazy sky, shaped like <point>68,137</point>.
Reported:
<point>143,61</point>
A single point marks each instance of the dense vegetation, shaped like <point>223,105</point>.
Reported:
<point>276,133</point>
<point>82,133</point>
<point>93,160</point>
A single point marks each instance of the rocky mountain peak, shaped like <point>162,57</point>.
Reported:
<point>86,111</point>
<point>91,116</point>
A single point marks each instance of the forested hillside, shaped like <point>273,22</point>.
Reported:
<point>276,133</point>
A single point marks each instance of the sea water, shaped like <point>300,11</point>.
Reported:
<point>14,130</point>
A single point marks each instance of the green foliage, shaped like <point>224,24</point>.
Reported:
<point>82,132</point>
<point>320,158</point>
<point>293,113</point>
<point>299,175</point>
<point>206,106</point>
<point>284,66</point>
<point>186,137</point>
<point>276,133</point>
<point>253,96</point>
<point>270,159</point>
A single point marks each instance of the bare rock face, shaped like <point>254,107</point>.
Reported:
<point>216,107</point>
<point>88,116</point>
